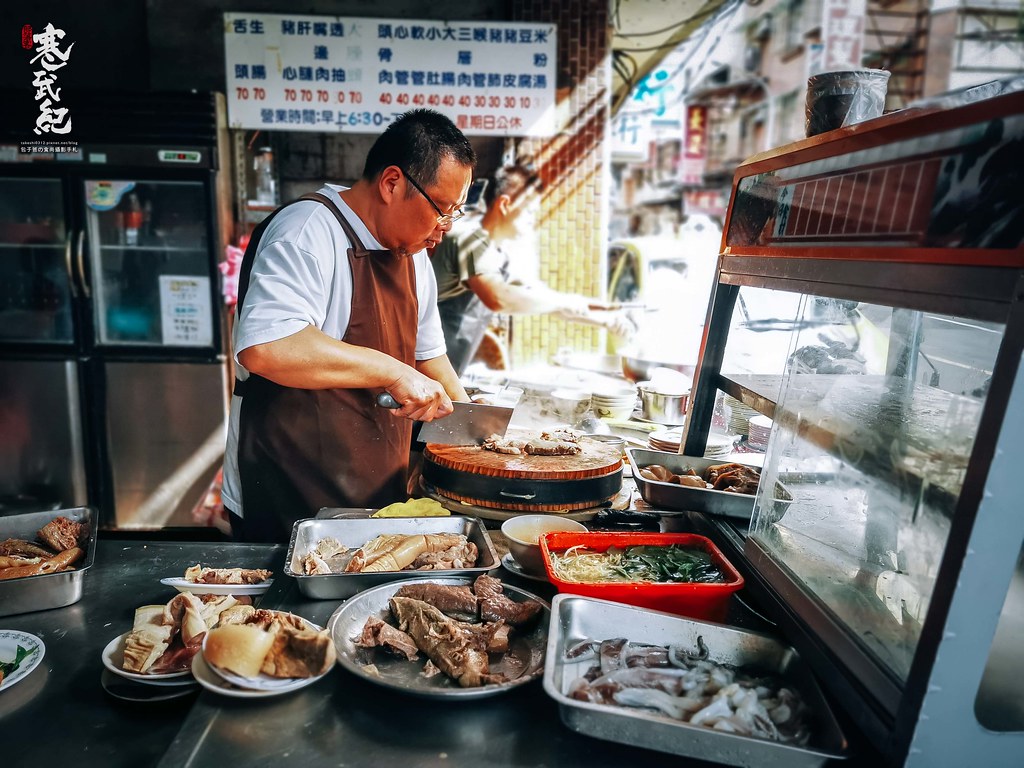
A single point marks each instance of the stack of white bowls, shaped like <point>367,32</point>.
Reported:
<point>614,403</point>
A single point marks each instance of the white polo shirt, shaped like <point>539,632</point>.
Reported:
<point>300,277</point>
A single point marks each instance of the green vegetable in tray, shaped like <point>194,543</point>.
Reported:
<point>673,563</point>
<point>8,667</point>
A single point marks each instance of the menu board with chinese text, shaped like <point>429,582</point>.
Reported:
<point>356,75</point>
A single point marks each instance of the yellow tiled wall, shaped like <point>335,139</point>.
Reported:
<point>573,219</point>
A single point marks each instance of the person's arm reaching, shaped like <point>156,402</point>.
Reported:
<point>518,299</point>
<point>310,359</point>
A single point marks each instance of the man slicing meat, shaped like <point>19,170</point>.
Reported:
<point>337,304</point>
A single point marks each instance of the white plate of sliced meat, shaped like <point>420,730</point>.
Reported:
<point>463,638</point>
<point>183,585</point>
<point>113,659</point>
<point>201,580</point>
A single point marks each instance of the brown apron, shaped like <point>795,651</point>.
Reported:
<point>303,449</point>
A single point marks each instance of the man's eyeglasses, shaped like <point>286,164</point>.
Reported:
<point>443,219</point>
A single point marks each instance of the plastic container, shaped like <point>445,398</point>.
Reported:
<point>709,602</point>
<point>837,99</point>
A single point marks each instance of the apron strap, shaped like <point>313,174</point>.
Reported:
<point>359,251</point>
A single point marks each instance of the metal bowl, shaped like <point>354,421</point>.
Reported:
<point>642,369</point>
<point>663,408</point>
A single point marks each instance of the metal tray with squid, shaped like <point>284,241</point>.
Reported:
<point>354,528</point>
<point>575,619</point>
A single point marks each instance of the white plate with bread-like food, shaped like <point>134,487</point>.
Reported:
<point>159,648</point>
<point>265,651</point>
<point>222,581</point>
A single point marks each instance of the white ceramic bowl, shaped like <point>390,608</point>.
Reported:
<point>617,411</point>
<point>569,405</point>
<point>523,534</point>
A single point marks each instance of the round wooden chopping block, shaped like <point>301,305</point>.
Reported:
<point>471,474</point>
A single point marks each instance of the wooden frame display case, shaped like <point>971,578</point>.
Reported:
<point>870,301</point>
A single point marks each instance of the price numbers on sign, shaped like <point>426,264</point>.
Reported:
<point>291,72</point>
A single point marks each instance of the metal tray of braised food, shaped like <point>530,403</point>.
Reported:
<point>671,495</point>
<point>518,664</point>
<point>353,532</point>
<point>686,687</point>
<point>19,537</point>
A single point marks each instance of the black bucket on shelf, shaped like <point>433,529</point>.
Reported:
<point>838,99</point>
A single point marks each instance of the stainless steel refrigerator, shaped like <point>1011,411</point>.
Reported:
<point>112,376</point>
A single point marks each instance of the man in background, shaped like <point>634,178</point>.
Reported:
<point>473,277</point>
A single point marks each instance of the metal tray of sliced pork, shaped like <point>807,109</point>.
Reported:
<point>523,662</point>
<point>47,590</point>
<point>354,532</point>
<point>640,715</point>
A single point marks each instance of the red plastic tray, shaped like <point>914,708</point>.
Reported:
<point>699,601</point>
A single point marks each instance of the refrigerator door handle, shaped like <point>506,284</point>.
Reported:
<point>72,283</point>
<point>81,265</point>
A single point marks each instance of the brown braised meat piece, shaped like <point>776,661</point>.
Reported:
<point>561,435</point>
<point>499,444</point>
<point>299,653</point>
<point>60,534</point>
<point>200,575</point>
<point>458,602</point>
<point>541,447</point>
<point>379,634</point>
<point>733,477</point>
<point>499,639</point>
<point>456,649</point>
<point>22,548</point>
<point>497,606</point>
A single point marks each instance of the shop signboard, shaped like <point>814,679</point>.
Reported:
<point>842,32</point>
<point>695,150</point>
<point>355,75</point>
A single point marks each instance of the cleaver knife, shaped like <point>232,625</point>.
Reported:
<point>468,424</point>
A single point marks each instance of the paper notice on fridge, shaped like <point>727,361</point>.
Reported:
<point>185,311</point>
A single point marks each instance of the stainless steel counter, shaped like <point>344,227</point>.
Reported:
<point>61,712</point>
<point>345,721</point>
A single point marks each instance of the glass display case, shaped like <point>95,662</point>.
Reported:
<point>867,324</point>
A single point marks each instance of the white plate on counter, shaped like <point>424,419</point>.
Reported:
<point>213,681</point>
<point>264,682</point>
<point>113,659</point>
<point>183,585</point>
<point>126,690</point>
<point>10,639</point>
